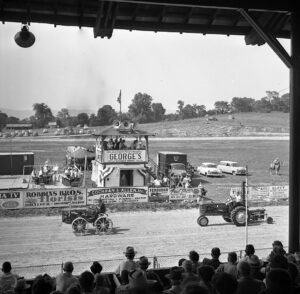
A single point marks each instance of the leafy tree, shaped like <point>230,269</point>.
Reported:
<point>242,104</point>
<point>3,118</point>
<point>201,110</point>
<point>262,105</point>
<point>189,111</point>
<point>43,114</point>
<point>281,104</point>
<point>63,114</point>
<point>180,104</point>
<point>158,111</point>
<point>140,108</point>
<point>12,120</point>
<point>106,115</point>
<point>222,107</point>
<point>83,118</point>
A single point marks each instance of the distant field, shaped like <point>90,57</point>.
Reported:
<point>243,124</point>
<point>256,154</point>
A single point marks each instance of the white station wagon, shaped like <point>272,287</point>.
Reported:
<point>231,167</point>
<point>209,169</point>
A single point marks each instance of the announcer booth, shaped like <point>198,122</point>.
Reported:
<point>121,155</point>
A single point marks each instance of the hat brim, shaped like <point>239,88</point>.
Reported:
<point>168,276</point>
<point>144,263</point>
<point>257,264</point>
<point>134,252</point>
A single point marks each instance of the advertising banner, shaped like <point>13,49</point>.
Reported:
<point>160,194</point>
<point>121,156</point>
<point>54,197</point>
<point>189,194</point>
<point>11,199</point>
<point>258,193</point>
<point>118,195</point>
<point>279,192</point>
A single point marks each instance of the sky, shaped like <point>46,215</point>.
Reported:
<point>68,67</point>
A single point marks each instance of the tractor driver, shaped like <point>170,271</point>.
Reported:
<point>101,208</point>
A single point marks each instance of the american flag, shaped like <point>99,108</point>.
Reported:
<point>119,98</point>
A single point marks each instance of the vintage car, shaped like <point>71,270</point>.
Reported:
<point>231,167</point>
<point>209,169</point>
<point>81,218</point>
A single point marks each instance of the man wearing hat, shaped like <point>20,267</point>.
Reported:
<point>277,250</point>
<point>129,264</point>
<point>150,274</point>
<point>256,264</point>
<point>139,283</point>
<point>175,277</point>
<point>66,279</point>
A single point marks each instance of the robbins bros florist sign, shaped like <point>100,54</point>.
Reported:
<point>118,195</point>
<point>54,198</point>
<point>132,156</point>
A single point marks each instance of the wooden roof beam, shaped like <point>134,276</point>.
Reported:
<point>98,24</point>
<point>258,5</point>
<point>272,41</point>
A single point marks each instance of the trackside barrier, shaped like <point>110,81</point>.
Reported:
<point>63,197</point>
<point>165,261</point>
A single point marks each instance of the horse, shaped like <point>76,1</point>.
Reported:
<point>274,167</point>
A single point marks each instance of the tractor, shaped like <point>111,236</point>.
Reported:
<point>233,210</point>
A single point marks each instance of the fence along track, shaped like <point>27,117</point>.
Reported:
<point>31,271</point>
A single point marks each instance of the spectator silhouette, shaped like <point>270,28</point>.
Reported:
<point>8,280</point>
<point>188,276</point>
<point>214,261</point>
<point>66,279</point>
<point>224,283</point>
<point>206,273</point>
<point>128,264</point>
<point>86,282</point>
<point>247,284</point>
<point>194,258</point>
<point>231,266</point>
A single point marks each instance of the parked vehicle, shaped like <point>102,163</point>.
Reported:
<point>209,169</point>
<point>231,167</point>
<point>174,163</point>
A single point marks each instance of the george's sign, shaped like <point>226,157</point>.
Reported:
<point>110,156</point>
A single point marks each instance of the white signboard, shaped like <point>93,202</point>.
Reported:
<point>118,195</point>
<point>279,192</point>
<point>11,199</point>
<point>113,156</point>
<point>258,193</point>
<point>184,194</point>
<point>160,194</point>
<point>54,197</point>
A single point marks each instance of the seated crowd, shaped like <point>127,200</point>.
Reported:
<point>278,274</point>
<point>120,144</point>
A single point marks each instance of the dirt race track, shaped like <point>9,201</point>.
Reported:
<point>45,240</point>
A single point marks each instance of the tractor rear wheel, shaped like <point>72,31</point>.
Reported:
<point>238,216</point>
<point>202,221</point>
<point>79,226</point>
<point>227,219</point>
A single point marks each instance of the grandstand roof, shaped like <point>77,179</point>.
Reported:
<point>181,16</point>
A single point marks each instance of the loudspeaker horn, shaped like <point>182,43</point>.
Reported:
<point>126,124</point>
<point>116,124</point>
<point>24,38</point>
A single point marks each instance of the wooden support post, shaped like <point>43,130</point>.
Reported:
<point>294,175</point>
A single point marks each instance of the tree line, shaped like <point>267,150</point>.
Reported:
<point>143,110</point>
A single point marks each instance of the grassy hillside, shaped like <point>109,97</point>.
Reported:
<point>243,124</point>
